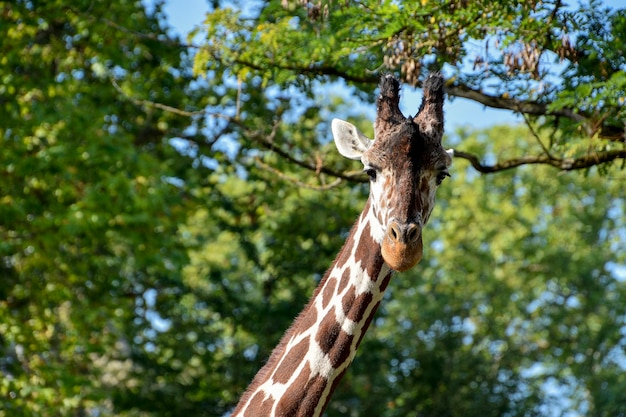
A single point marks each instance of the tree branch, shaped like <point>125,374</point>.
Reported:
<point>267,141</point>
<point>565,164</point>
<point>604,131</point>
<point>146,103</point>
<point>527,107</point>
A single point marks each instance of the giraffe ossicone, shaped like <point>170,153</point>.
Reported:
<point>406,163</point>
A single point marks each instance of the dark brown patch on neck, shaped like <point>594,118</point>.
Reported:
<point>328,331</point>
<point>368,253</point>
<point>302,396</point>
<point>291,361</point>
<point>354,307</point>
<point>344,280</point>
<point>329,291</point>
<point>259,406</point>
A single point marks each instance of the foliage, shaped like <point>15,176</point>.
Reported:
<point>88,217</point>
<point>159,230</point>
<point>553,63</point>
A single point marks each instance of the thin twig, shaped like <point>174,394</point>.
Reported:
<point>164,107</point>
<point>294,181</point>
<point>267,141</point>
<point>536,136</point>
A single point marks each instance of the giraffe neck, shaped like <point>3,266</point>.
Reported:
<point>313,355</point>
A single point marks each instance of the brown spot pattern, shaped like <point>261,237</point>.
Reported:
<point>348,300</point>
<point>364,248</point>
<point>344,281</point>
<point>259,406</point>
<point>340,352</point>
<point>302,397</point>
<point>291,361</point>
<point>385,282</point>
<point>366,325</point>
<point>306,320</point>
<point>368,253</point>
<point>328,292</point>
<point>289,404</point>
<point>356,309</point>
<point>328,331</point>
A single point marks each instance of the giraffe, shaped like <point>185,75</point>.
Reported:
<point>405,164</point>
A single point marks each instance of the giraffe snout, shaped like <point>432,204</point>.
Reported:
<point>402,245</point>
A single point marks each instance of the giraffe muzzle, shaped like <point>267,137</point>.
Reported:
<point>402,245</point>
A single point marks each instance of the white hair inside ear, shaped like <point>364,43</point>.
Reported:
<point>350,142</point>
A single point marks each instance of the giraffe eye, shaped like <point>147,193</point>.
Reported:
<point>442,176</point>
<point>371,172</point>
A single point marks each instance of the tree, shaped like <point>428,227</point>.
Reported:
<point>90,207</point>
<point>556,65</point>
<point>160,227</point>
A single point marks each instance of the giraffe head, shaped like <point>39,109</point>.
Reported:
<point>405,162</point>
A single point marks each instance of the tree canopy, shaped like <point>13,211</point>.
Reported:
<point>167,205</point>
<point>559,66</point>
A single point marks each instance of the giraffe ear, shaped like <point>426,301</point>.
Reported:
<point>350,142</point>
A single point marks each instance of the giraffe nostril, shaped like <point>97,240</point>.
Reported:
<point>394,232</point>
<point>412,233</point>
